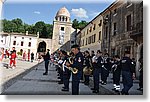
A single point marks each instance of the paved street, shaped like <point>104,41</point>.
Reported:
<point>32,81</point>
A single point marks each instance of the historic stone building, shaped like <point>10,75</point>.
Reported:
<point>62,30</point>
<point>120,19</point>
<point>91,36</point>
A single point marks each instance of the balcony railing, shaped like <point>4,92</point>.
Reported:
<point>137,30</point>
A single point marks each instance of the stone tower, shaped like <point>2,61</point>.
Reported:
<point>62,29</point>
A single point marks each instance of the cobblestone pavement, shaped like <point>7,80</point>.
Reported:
<point>33,82</point>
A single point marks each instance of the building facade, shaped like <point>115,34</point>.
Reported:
<point>62,30</point>
<point>119,22</point>
<point>91,36</point>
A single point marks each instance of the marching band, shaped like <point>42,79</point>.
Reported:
<point>81,66</point>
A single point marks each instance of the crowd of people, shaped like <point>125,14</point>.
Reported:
<point>12,55</point>
<point>80,64</point>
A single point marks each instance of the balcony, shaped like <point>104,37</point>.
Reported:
<point>137,31</point>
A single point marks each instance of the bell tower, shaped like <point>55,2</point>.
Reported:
<point>62,29</point>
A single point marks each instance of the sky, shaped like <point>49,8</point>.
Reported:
<point>31,11</point>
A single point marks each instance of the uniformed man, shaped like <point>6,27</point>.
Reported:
<point>97,62</point>
<point>128,73</point>
<point>105,69</point>
<point>116,73</point>
<point>88,64</point>
<point>66,72</point>
<point>78,64</point>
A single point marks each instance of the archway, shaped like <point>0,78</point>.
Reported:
<point>42,47</point>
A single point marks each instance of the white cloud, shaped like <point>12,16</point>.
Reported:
<point>37,12</point>
<point>80,13</point>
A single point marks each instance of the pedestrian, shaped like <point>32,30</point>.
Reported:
<point>141,75</point>
<point>29,56</point>
<point>97,62</point>
<point>46,59</point>
<point>1,54</point>
<point>32,57</point>
<point>128,73</point>
<point>116,69</point>
<point>78,64</point>
<point>24,56</point>
<point>13,58</point>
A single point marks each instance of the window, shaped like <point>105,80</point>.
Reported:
<point>100,24</point>
<point>1,41</point>
<point>128,22</point>
<point>62,29</point>
<point>94,27</point>
<point>129,3</point>
<point>29,38</point>
<point>29,44</point>
<point>83,42</point>
<point>89,39</point>
<point>94,37</point>
<point>127,48</point>
<point>14,43</point>
<point>115,29</point>
<point>115,11</point>
<point>86,41</point>
<point>22,37</point>
<point>106,32</point>
<point>15,37</point>
<point>87,31</point>
<point>21,43</point>
<point>90,29</point>
<point>99,35</point>
<point>72,42</point>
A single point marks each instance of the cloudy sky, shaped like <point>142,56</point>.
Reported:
<point>31,12</point>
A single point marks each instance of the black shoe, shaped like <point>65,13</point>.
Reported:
<point>124,93</point>
<point>92,89</point>
<point>64,89</point>
<point>95,91</point>
<point>114,89</point>
<point>45,73</point>
<point>103,83</point>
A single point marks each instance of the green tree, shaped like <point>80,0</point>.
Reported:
<point>75,24</point>
<point>39,27</point>
<point>82,24</point>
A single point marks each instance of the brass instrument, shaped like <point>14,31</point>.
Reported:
<point>73,70</point>
<point>87,70</point>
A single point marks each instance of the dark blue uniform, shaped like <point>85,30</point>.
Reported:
<point>97,67</point>
<point>66,75</point>
<point>88,63</point>
<point>127,67</point>
<point>77,63</point>
<point>46,59</point>
<point>105,70</point>
<point>116,74</point>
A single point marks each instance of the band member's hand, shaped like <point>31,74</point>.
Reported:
<point>67,64</point>
<point>133,76</point>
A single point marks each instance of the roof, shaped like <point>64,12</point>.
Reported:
<point>63,12</point>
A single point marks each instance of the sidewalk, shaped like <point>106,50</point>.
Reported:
<point>132,91</point>
<point>35,83</point>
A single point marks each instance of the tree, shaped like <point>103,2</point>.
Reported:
<point>39,27</point>
<point>82,24</point>
<point>75,24</point>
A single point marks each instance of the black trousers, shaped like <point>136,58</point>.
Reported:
<point>116,77</point>
<point>141,79</point>
<point>46,66</point>
<point>96,78</point>
<point>104,74</point>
